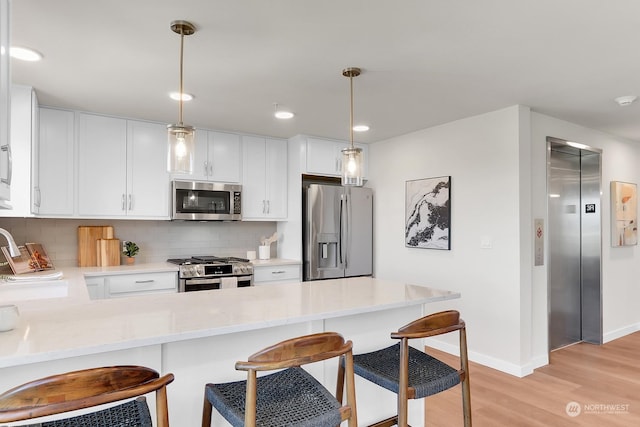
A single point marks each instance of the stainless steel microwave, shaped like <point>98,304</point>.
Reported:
<point>206,201</point>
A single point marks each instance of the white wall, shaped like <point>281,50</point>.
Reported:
<point>158,240</point>
<point>620,265</point>
<point>497,162</point>
<point>482,156</point>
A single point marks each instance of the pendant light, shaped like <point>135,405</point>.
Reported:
<point>181,136</point>
<point>351,156</point>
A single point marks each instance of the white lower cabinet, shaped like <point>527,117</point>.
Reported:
<point>275,274</point>
<point>95,287</point>
<point>127,285</point>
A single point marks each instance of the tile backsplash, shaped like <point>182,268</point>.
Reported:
<point>158,240</point>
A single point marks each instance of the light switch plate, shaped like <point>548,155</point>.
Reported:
<point>486,243</point>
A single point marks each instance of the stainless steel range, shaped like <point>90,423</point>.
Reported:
<point>201,273</point>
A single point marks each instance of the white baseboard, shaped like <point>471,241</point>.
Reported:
<point>520,370</point>
<point>492,362</point>
<point>619,333</point>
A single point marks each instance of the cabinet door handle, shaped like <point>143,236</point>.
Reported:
<point>210,168</point>
<point>278,272</point>
<point>123,202</point>
<point>130,202</point>
<point>264,206</point>
<point>145,281</point>
<point>206,167</point>
<point>7,180</point>
<point>38,200</point>
<point>268,206</point>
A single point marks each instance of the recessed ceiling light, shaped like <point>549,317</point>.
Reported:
<point>25,54</point>
<point>281,114</point>
<point>176,96</point>
<point>623,101</point>
<point>360,128</point>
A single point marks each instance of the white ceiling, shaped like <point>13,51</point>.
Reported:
<point>425,62</point>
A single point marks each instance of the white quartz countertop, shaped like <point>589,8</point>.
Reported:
<point>74,326</point>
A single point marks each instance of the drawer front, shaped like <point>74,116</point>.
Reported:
<point>276,273</point>
<point>95,287</point>
<point>122,285</point>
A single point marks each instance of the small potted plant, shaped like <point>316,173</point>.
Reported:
<point>130,251</point>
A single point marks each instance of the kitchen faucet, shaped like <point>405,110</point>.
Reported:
<point>13,248</point>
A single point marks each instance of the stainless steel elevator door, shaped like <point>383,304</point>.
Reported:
<point>564,250</point>
<point>591,247</point>
<point>574,184</point>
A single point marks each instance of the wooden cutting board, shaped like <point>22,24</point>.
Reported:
<point>87,240</point>
<point>108,252</point>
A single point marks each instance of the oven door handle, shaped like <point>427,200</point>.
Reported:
<point>192,284</point>
<point>203,281</point>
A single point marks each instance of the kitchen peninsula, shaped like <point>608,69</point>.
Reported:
<point>199,336</point>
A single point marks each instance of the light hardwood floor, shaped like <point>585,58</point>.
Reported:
<point>590,375</point>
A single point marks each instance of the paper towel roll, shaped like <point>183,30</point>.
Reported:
<point>228,282</point>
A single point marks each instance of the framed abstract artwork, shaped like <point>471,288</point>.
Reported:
<point>624,214</point>
<point>428,213</point>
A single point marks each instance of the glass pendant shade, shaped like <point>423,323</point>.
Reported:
<point>352,167</point>
<point>181,149</point>
<point>181,137</point>
<point>352,163</point>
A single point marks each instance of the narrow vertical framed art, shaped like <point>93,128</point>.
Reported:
<point>624,214</point>
<point>428,213</point>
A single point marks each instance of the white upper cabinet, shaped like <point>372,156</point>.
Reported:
<point>264,178</point>
<point>121,168</point>
<point>147,177</point>
<point>5,105</point>
<point>324,157</point>
<point>102,165</point>
<point>53,164</point>
<point>217,157</point>
<point>24,125</point>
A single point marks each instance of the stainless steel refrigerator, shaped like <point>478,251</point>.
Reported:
<point>337,231</point>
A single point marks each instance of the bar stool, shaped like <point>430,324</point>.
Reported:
<point>88,388</point>
<point>289,397</point>
<point>413,374</point>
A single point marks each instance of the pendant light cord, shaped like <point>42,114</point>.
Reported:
<point>181,67</point>
<point>351,118</point>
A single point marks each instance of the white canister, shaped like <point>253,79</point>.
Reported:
<point>264,251</point>
<point>251,255</point>
<point>8,317</point>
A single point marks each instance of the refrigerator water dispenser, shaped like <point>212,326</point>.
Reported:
<point>327,251</point>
